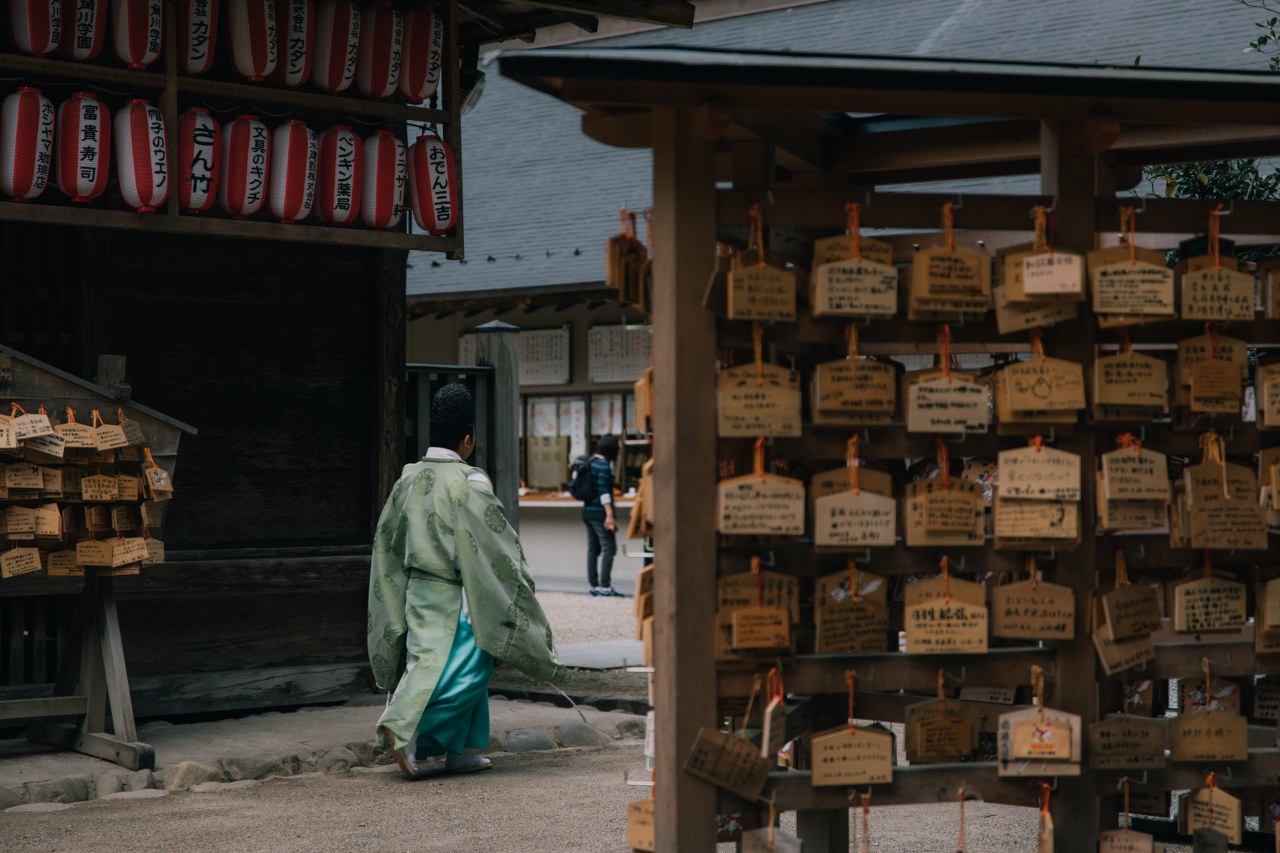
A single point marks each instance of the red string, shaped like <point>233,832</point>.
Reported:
<point>944,348</point>
<point>755,570</point>
<point>944,464</point>
<point>949,225</point>
<point>1129,440</point>
<point>760,457</point>
<point>854,212</point>
<point>1049,231</point>
<point>851,676</point>
<point>1037,443</point>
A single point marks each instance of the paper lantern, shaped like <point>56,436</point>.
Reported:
<point>26,144</point>
<point>137,31</point>
<point>434,185</point>
<point>246,160</point>
<point>293,171</point>
<point>337,44</point>
<point>378,63</point>
<point>386,173</point>
<point>36,25</point>
<point>142,156</point>
<point>84,29</point>
<point>199,155</point>
<point>197,35</point>
<point>84,147</point>
<point>251,26</point>
<point>338,178</point>
<point>295,41</point>
<point>422,55</point>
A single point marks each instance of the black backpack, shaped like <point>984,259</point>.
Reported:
<point>580,479</point>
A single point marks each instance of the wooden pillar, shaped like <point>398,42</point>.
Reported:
<point>387,316</point>
<point>496,347</point>
<point>685,473</point>
<point>1067,167</point>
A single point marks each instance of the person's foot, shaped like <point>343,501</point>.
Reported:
<point>455,763</point>
<point>608,592</point>
<point>593,590</point>
<point>404,757</point>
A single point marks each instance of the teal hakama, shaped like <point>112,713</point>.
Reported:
<point>457,717</point>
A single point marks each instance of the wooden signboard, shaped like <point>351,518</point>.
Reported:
<point>729,762</point>
<point>1207,605</point>
<point>1267,387</point>
<point>1221,696</point>
<point>1048,275</point>
<point>1131,379</point>
<point>760,504</point>
<point>1135,474</point>
<point>1201,348</point>
<point>1033,610</point>
<point>63,564</point>
<point>855,520</point>
<point>1217,293</point>
<point>1125,841</point>
<point>52,446</point>
<point>1131,610</point>
<point>1228,524</point>
<point>1215,387</point>
<point>946,626</point>
<point>853,385</point>
<point>849,288</point>
<point>950,406</point>
<point>1214,809</point>
<point>1039,474</point>
<point>1134,288</point>
<point>856,626</point>
<point>942,517</point>
<point>1128,743</point>
<point>1040,742</point>
<point>852,755</point>
<point>1014,316</point>
<point>951,274</point>
<point>761,628</point>
<point>941,730</point>
<point>926,589</point>
<point>747,589</point>
<point>1205,483</point>
<point>761,293</point>
<point>841,480</point>
<point>829,250</point>
<point>1044,385</point>
<point>641,827</point>
<point>1120,655</point>
<point>1208,736</point>
<point>1018,522</point>
<point>20,561</point>
<point>757,400</point>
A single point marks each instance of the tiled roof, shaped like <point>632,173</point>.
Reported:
<point>541,198</point>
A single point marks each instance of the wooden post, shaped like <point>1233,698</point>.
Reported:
<point>388,271</point>
<point>685,473</point>
<point>1067,169</point>
<point>496,347</point>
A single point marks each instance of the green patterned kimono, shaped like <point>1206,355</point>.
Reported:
<point>443,531</point>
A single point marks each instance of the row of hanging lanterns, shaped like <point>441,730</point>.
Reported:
<point>332,43</point>
<point>241,165</point>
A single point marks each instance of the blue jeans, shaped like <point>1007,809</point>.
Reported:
<point>602,545</point>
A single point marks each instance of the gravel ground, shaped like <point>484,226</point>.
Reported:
<point>578,618</point>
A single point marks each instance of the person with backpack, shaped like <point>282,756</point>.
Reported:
<point>592,484</point>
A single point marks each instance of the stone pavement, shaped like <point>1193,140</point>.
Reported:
<point>331,739</point>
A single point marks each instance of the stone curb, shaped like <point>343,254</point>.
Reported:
<point>606,702</point>
<point>230,772</point>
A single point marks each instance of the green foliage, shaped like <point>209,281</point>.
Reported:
<point>1269,41</point>
<point>1215,179</point>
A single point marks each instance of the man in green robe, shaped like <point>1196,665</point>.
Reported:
<point>449,591</point>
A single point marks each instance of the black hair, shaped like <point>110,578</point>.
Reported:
<point>607,447</point>
<point>450,439</point>
<point>453,416</point>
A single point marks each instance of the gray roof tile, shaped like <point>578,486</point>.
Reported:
<point>538,188</point>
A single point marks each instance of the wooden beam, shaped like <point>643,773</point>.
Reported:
<point>986,143</point>
<point>453,129</point>
<point>824,209</point>
<point>911,785</point>
<point>92,217</point>
<point>669,13</point>
<point>621,130</point>
<point>685,476</point>
<point>1068,166</point>
<point>809,140</point>
<point>386,316</point>
<point>52,706</point>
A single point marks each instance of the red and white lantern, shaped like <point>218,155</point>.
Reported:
<point>246,160</point>
<point>84,147</point>
<point>36,25</point>
<point>251,26</point>
<point>386,172</point>
<point>337,44</point>
<point>84,29</point>
<point>378,63</point>
<point>338,179</point>
<point>26,144</point>
<point>199,155</point>
<point>435,187</point>
<point>197,35</point>
<point>137,31</point>
<point>295,41</point>
<point>293,171</point>
<point>422,55</point>
<point>142,156</point>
